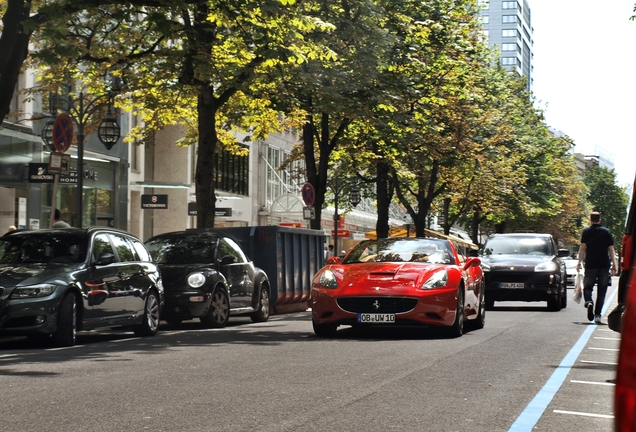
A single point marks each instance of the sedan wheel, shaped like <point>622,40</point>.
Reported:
<point>262,314</point>
<point>219,311</point>
<point>66,332</point>
<point>150,322</point>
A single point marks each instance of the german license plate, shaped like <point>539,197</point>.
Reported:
<point>513,285</point>
<point>376,318</point>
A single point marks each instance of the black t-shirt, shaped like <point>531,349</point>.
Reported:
<point>597,239</point>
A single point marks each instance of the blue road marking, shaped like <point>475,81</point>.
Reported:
<point>537,406</point>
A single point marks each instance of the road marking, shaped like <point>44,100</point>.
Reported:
<point>605,416</point>
<point>604,349</point>
<point>8,356</point>
<point>597,362</point>
<point>604,338</point>
<point>537,406</point>
<point>65,348</point>
<point>593,383</point>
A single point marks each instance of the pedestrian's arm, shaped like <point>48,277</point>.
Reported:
<point>582,250</point>
<point>613,257</point>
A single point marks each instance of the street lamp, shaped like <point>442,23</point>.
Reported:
<point>81,109</point>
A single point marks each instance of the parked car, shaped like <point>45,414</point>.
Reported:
<point>570,270</point>
<point>399,282</point>
<point>524,267</point>
<point>207,275</point>
<point>56,282</point>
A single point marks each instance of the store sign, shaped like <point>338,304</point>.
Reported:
<point>223,211</point>
<point>192,209</point>
<point>341,233</point>
<point>39,173</point>
<point>154,202</point>
<point>291,224</point>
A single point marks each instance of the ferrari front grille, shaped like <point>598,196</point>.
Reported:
<point>376,304</point>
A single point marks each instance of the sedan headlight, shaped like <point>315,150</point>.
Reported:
<point>547,266</point>
<point>485,267</point>
<point>33,291</point>
<point>438,280</point>
<point>328,279</point>
<point>196,280</point>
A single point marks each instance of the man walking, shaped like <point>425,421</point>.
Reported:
<point>597,246</point>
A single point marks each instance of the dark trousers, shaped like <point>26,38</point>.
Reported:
<point>601,277</point>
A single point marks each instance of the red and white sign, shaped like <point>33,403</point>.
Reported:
<point>341,233</point>
<point>291,224</point>
<point>62,132</point>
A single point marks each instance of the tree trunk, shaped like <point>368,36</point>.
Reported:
<point>384,199</point>
<point>206,158</point>
<point>14,48</point>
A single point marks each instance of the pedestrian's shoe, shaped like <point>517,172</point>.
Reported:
<point>590,311</point>
<point>597,319</point>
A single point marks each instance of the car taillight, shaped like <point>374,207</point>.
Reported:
<point>625,393</point>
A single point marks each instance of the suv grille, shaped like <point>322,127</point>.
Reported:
<point>384,304</point>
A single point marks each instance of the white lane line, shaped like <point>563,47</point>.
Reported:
<point>596,362</point>
<point>593,383</point>
<point>605,416</point>
<point>65,348</point>
<point>603,349</point>
<point>7,356</point>
<point>125,340</point>
<point>604,338</point>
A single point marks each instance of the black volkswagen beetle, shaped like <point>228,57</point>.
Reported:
<point>207,275</point>
<point>56,282</point>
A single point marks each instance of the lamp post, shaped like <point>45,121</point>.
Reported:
<point>81,110</point>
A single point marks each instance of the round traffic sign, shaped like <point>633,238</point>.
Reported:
<point>309,194</point>
<point>62,132</point>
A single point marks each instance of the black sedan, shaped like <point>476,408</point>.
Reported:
<point>207,275</point>
<point>524,267</point>
<point>56,282</point>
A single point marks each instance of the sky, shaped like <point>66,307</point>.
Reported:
<point>584,75</point>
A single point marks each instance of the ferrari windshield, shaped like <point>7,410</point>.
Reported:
<point>422,250</point>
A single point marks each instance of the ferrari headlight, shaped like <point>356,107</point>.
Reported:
<point>438,280</point>
<point>33,291</point>
<point>196,280</point>
<point>547,266</point>
<point>328,279</point>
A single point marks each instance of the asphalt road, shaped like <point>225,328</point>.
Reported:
<point>277,376</point>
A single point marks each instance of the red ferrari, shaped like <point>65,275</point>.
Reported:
<point>399,282</point>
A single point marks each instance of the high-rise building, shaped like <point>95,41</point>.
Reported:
<point>508,27</point>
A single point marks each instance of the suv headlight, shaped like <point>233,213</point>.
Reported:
<point>438,280</point>
<point>485,267</point>
<point>33,291</point>
<point>196,280</point>
<point>547,266</point>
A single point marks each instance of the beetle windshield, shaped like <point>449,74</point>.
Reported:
<point>183,250</point>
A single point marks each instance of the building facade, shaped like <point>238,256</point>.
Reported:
<point>508,28</point>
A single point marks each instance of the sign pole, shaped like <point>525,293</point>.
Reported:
<point>56,181</point>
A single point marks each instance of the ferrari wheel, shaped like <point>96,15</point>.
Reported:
<point>324,330</point>
<point>457,329</point>
<point>480,321</point>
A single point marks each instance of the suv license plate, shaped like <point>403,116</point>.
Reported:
<point>376,318</point>
<point>514,285</point>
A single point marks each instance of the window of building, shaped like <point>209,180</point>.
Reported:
<point>231,173</point>
<point>484,4</point>
<point>485,19</point>
<point>507,19</point>
<point>509,5</point>
<point>508,33</point>
<point>508,61</point>
<point>283,176</point>
<point>508,47</point>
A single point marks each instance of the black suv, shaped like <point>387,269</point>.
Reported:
<point>208,276</point>
<point>524,267</point>
<point>59,281</point>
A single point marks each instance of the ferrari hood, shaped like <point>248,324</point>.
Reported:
<point>388,274</point>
